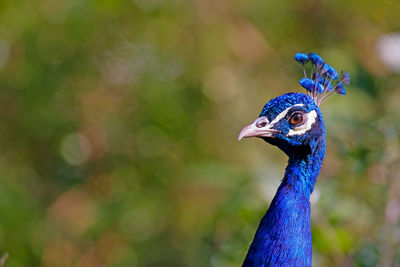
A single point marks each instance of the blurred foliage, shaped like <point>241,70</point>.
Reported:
<point>119,122</point>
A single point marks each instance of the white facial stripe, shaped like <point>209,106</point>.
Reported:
<point>280,116</point>
<point>283,114</point>
<point>310,120</point>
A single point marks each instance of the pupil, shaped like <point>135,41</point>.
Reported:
<point>296,119</point>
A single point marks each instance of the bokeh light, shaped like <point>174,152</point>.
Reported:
<point>119,122</point>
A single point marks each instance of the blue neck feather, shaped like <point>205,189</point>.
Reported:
<point>283,237</point>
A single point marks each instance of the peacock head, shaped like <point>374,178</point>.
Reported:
<point>293,121</point>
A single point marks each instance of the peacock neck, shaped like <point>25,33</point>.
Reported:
<point>284,234</point>
<point>304,166</point>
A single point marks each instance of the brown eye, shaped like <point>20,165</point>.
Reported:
<point>296,119</point>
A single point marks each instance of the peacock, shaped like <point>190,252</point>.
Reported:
<point>293,122</point>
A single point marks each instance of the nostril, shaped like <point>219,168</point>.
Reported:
<point>261,124</point>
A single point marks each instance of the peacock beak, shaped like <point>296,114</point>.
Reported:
<point>259,128</point>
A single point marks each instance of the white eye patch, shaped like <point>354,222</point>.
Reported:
<point>284,113</point>
<point>310,119</point>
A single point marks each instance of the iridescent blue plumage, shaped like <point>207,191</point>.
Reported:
<point>310,85</point>
<point>340,89</point>
<point>284,235</point>
<point>319,85</point>
<point>293,122</point>
<point>316,59</point>
<point>301,58</point>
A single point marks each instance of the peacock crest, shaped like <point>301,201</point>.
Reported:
<point>323,80</point>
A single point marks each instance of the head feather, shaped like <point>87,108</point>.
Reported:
<point>319,84</point>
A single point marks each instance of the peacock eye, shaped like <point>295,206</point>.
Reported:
<point>296,119</point>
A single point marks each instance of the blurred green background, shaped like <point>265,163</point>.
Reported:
<point>119,121</point>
